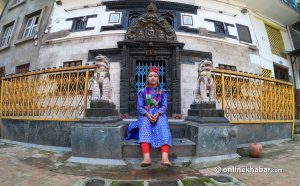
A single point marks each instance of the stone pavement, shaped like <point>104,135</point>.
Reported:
<point>29,166</point>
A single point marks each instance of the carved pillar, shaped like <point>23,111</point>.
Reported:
<point>124,82</point>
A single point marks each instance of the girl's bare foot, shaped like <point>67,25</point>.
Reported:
<point>165,159</point>
<point>147,161</point>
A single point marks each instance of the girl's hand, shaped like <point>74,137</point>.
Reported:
<point>156,115</point>
<point>151,118</point>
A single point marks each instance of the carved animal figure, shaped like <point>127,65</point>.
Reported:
<point>101,88</point>
<point>205,82</point>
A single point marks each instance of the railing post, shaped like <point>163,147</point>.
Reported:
<point>223,90</point>
<point>86,87</point>
<point>293,110</point>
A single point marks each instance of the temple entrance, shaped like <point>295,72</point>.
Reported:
<point>149,41</point>
<point>140,66</point>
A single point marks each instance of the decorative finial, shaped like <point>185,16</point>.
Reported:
<point>152,8</point>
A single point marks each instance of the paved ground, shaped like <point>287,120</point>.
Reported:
<point>29,166</point>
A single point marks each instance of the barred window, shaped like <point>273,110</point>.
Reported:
<point>22,68</point>
<point>7,33</point>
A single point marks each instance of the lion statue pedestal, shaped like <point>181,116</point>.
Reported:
<point>102,109</point>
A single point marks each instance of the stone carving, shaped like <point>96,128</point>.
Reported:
<point>101,89</point>
<point>151,27</point>
<point>205,82</point>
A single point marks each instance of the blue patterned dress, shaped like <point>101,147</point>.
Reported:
<point>157,134</point>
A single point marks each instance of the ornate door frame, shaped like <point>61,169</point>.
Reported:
<point>149,37</point>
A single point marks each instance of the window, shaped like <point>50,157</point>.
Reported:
<point>7,33</point>
<point>221,28</point>
<point>244,33</point>
<point>80,23</point>
<point>114,18</point>
<point>276,41</point>
<point>31,26</point>
<point>281,73</point>
<point>2,71</point>
<point>22,68</point>
<point>187,20</point>
<point>72,63</point>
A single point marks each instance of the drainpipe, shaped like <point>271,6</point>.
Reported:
<point>293,62</point>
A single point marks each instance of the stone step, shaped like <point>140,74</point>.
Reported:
<point>203,106</point>
<point>102,104</point>
<point>182,147</point>
<point>206,112</point>
<point>101,112</point>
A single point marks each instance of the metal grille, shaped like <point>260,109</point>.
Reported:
<point>276,41</point>
<point>64,94</point>
<point>266,72</point>
<point>250,98</point>
<point>58,94</point>
<point>142,69</point>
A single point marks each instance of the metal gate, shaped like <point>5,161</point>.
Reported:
<point>142,69</point>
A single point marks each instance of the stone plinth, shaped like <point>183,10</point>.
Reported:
<point>97,141</point>
<point>101,108</point>
<point>211,131</point>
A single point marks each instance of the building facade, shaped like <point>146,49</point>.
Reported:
<point>235,35</point>
<point>23,25</point>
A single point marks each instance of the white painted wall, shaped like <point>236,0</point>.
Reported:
<point>268,59</point>
<point>209,10</point>
<point>61,13</point>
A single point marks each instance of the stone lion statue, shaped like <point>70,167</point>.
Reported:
<point>205,82</point>
<point>101,89</point>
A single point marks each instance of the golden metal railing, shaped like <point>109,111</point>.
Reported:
<point>248,98</point>
<point>52,94</point>
<point>64,94</point>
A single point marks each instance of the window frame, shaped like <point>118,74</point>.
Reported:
<point>85,28</point>
<point>32,28</point>
<point>19,70</point>
<point>187,16</point>
<point>16,4</point>
<point>225,27</point>
<point>110,20</point>
<point>279,68</point>
<point>239,33</point>
<point>4,29</point>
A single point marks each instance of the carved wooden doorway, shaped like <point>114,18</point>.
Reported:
<point>151,40</point>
